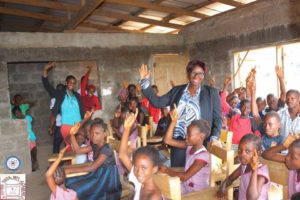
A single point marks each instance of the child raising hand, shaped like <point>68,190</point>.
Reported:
<point>55,177</point>
<point>145,163</point>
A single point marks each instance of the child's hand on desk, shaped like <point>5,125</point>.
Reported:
<point>130,119</point>
<point>75,128</point>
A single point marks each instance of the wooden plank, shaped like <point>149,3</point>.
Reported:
<point>14,26</point>
<point>173,16</point>
<point>230,2</point>
<point>105,28</point>
<point>35,15</point>
<point>135,19</point>
<point>46,4</point>
<point>160,8</point>
<point>84,12</point>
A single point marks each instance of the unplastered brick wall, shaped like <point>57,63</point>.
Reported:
<point>25,79</point>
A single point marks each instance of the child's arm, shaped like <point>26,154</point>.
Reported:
<point>49,174</point>
<point>123,151</point>
<point>49,88</point>
<point>279,73</point>
<point>169,136</point>
<point>76,148</point>
<point>184,176</point>
<point>256,181</point>
<point>84,82</point>
<point>274,152</point>
<point>90,168</point>
<point>251,84</point>
<point>228,181</point>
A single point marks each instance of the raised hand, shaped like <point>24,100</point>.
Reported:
<point>49,66</point>
<point>74,130</point>
<point>130,119</point>
<point>62,152</point>
<point>174,114</point>
<point>125,84</point>
<point>89,68</point>
<point>279,72</point>
<point>254,161</point>
<point>118,112</point>
<point>88,114</point>
<point>290,139</point>
<point>144,72</point>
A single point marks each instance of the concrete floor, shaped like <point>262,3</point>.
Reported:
<point>36,186</point>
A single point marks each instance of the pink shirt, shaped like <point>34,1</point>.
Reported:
<point>200,180</point>
<point>245,180</point>
<point>63,194</point>
<point>294,183</point>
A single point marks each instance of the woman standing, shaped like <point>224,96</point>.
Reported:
<point>194,101</point>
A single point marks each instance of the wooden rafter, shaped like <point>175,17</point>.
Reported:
<point>84,12</point>
<point>46,4</point>
<point>21,27</point>
<point>136,13</point>
<point>160,8</point>
<point>135,19</point>
<point>173,16</point>
<point>105,28</point>
<point>230,2</point>
<point>35,15</point>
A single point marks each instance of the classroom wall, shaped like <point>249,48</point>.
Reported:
<point>260,24</point>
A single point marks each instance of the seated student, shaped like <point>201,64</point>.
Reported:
<point>103,180</point>
<point>55,178</point>
<point>145,163</point>
<point>291,160</point>
<point>133,105</point>
<point>254,181</point>
<point>163,123</point>
<point>32,137</point>
<point>80,139</point>
<point>270,126</point>
<point>241,124</point>
<point>196,171</point>
<point>23,105</point>
<point>261,105</point>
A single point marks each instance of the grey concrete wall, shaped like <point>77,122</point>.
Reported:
<point>116,57</point>
<point>261,24</point>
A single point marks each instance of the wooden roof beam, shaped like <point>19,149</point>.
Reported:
<point>160,8</point>
<point>35,15</point>
<point>46,4</point>
<point>84,12</point>
<point>106,28</point>
<point>135,19</point>
<point>230,2</point>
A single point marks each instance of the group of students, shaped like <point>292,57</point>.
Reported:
<point>257,131</point>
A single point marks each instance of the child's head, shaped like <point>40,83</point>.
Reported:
<point>292,159</point>
<point>272,101</point>
<point>98,131</point>
<point>245,107</point>
<point>155,89</point>
<point>131,90</point>
<point>248,145</point>
<point>18,99</point>
<point>90,89</point>
<point>197,132</point>
<point>242,93</point>
<point>87,129</point>
<point>59,175</point>
<point>233,102</point>
<point>80,136</point>
<point>146,162</point>
<point>272,124</point>
<point>261,104</point>
<point>292,98</point>
<point>16,111</point>
<point>133,104</point>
